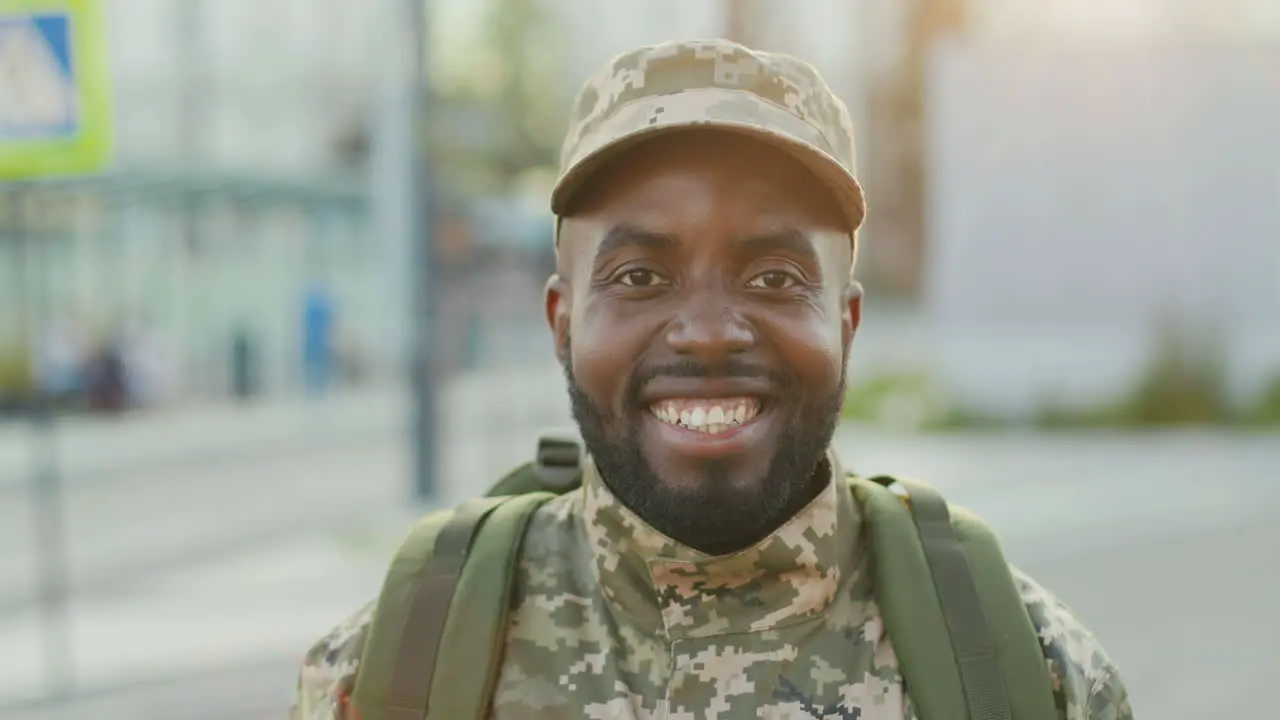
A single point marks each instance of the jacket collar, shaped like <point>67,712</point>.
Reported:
<point>790,576</point>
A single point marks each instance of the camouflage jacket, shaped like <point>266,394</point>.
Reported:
<point>613,620</point>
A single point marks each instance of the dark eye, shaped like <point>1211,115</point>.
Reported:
<point>773,280</point>
<point>640,278</point>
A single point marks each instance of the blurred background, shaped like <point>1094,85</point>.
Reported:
<point>303,306</point>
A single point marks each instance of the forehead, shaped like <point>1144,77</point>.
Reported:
<point>703,182</point>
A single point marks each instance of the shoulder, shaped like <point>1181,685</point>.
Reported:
<point>1086,682</point>
<point>328,673</point>
<point>330,667</point>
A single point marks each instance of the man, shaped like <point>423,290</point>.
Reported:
<point>703,307</point>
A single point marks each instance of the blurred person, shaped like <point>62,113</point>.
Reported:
<point>319,317</point>
<point>106,377</point>
<point>61,361</point>
<point>245,380</point>
<point>150,365</point>
<point>706,557</point>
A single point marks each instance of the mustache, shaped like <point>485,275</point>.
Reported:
<point>732,368</point>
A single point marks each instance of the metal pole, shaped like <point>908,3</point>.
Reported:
<point>424,376</point>
<point>193,108</point>
<point>46,483</point>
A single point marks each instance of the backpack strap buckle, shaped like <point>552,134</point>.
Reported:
<point>558,462</point>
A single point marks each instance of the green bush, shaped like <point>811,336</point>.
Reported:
<point>17,376</point>
<point>1265,412</point>
<point>901,399</point>
<point>1183,384</point>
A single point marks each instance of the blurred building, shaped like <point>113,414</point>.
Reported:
<point>227,84</point>
<point>1084,201</point>
<point>1048,211</point>
<point>242,143</point>
<point>1128,20</point>
<point>873,52</point>
<point>260,153</point>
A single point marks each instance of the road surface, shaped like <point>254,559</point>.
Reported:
<point>1164,543</point>
<point>152,492</point>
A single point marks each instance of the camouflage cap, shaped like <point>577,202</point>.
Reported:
<point>717,84</point>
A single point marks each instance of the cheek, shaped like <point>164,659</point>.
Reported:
<point>814,351</point>
<point>603,354</point>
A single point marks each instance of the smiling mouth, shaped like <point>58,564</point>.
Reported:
<point>712,416</point>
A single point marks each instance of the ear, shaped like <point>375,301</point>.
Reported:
<point>851,315</point>
<point>558,307</point>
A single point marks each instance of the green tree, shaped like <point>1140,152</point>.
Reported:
<point>502,109</point>
<point>532,92</point>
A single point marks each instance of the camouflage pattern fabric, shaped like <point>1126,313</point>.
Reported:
<point>328,675</point>
<point>613,620</point>
<point>712,83</point>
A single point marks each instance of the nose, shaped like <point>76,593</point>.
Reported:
<point>710,329</point>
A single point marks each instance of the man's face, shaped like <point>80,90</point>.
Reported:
<point>703,312</point>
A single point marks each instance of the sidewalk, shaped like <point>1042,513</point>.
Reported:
<point>231,538</point>
<point>105,448</point>
<point>101,447</point>
<point>264,607</point>
<point>185,489</point>
<point>230,632</point>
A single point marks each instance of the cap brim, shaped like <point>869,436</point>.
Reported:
<point>708,109</point>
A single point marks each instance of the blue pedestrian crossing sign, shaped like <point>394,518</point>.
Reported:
<point>55,98</point>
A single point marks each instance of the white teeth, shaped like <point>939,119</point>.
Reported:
<point>709,416</point>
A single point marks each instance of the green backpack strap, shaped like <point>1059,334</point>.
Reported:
<point>556,468</point>
<point>448,586</point>
<point>966,644</point>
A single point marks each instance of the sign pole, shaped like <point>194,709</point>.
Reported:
<point>56,120</point>
<point>424,373</point>
<point>46,483</point>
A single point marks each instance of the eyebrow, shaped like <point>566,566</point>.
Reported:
<point>788,242</point>
<point>627,236</point>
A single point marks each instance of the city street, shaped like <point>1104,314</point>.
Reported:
<point>151,492</point>
<point>202,583</point>
<point>291,280</point>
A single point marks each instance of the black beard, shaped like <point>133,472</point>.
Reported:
<point>715,516</point>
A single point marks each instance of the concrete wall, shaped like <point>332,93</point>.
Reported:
<point>1077,194</point>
